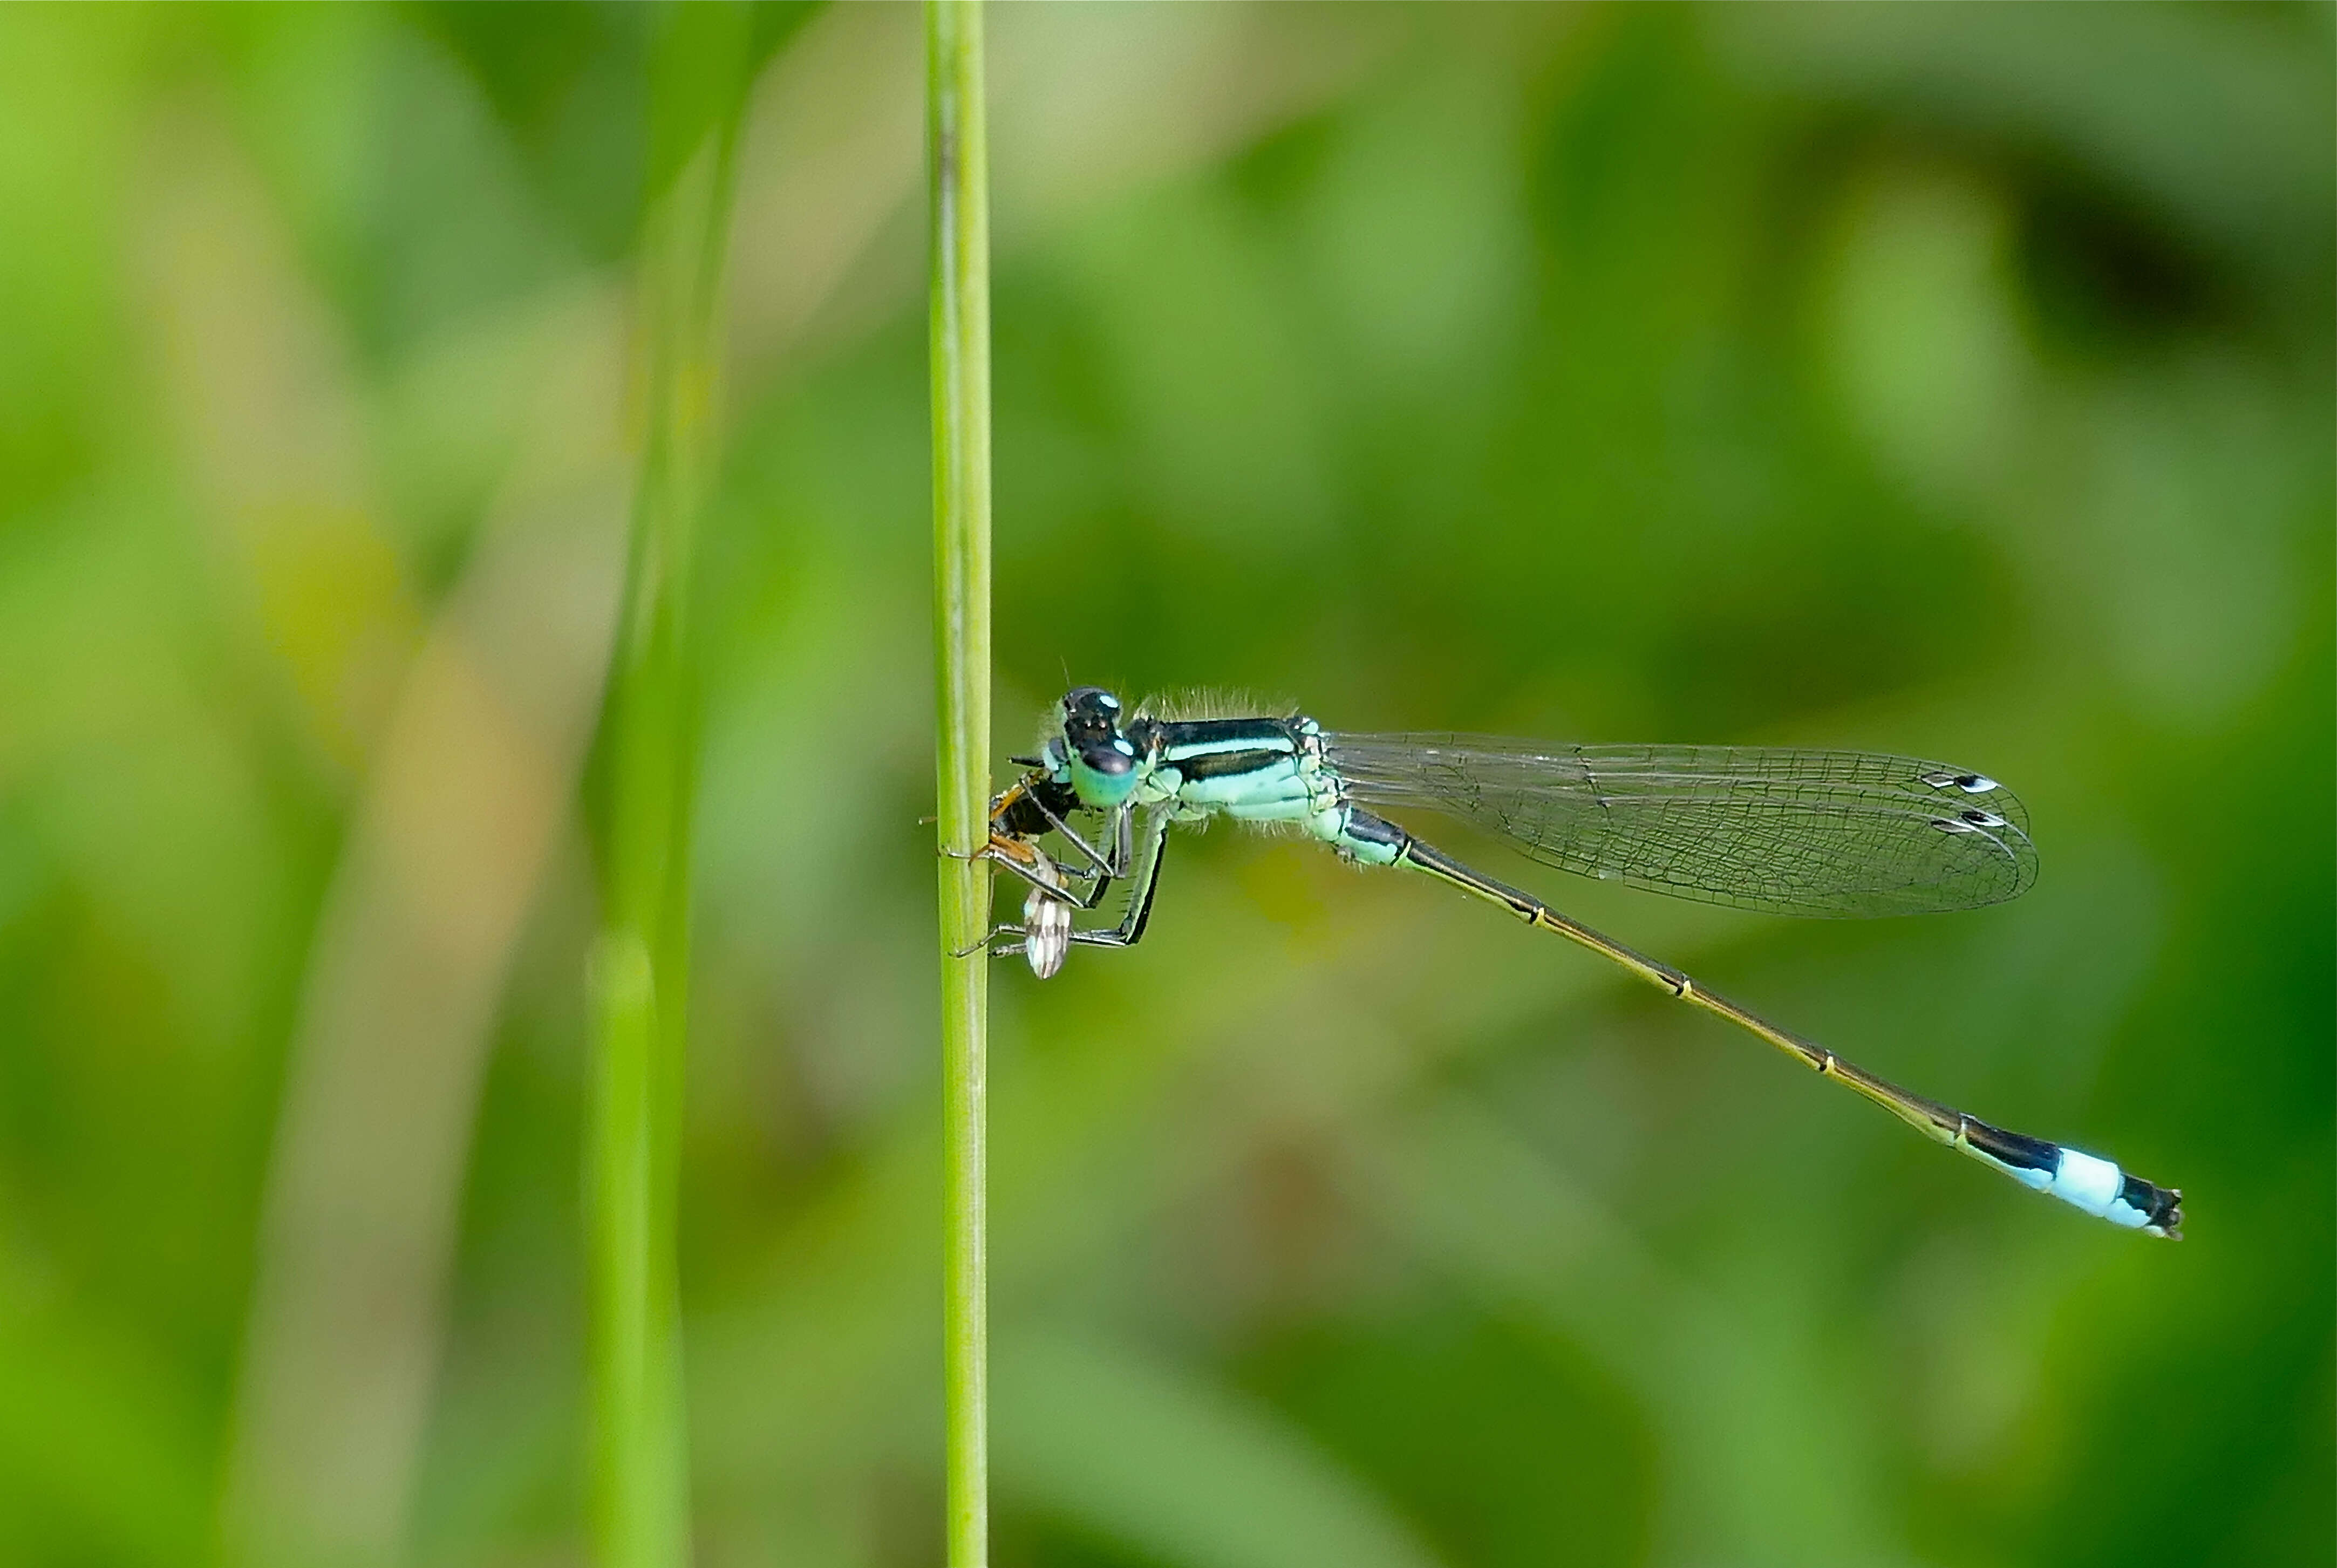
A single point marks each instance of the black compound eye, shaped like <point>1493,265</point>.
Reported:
<point>1111,757</point>
<point>1090,717</point>
<point>1092,702</point>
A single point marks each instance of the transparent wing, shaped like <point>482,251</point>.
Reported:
<point>1790,831</point>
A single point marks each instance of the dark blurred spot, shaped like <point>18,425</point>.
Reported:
<point>2099,273</point>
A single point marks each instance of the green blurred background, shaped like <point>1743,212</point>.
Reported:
<point>1955,381</point>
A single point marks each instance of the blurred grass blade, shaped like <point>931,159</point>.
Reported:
<point>1180,1470</point>
<point>960,327</point>
<point>647,779</point>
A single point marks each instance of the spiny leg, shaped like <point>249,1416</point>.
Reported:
<point>1002,929</point>
<point>1109,867</point>
<point>1034,866</point>
<point>2084,1181</point>
<point>1046,932</point>
<point>1130,929</point>
<point>1023,858</point>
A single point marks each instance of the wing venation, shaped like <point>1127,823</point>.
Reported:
<point>1783,829</point>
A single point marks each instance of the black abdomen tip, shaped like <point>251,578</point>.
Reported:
<point>2163,1206</point>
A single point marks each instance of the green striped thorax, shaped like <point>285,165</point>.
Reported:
<point>1254,769</point>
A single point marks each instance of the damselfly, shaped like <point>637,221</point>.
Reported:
<point>1791,831</point>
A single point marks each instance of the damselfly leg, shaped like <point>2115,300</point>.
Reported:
<point>1039,916</point>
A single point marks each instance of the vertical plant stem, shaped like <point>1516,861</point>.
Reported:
<point>640,980</point>
<point>961,390</point>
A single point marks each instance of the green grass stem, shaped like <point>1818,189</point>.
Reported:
<point>959,330</point>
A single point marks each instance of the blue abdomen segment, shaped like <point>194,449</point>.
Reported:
<point>2099,1188</point>
<point>2080,1179</point>
<point>1366,839</point>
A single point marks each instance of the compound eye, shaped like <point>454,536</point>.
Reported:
<point>1091,726</point>
<point>1111,758</point>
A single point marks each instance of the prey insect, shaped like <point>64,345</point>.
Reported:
<point>1791,831</point>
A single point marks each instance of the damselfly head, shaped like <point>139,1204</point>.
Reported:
<point>1101,760</point>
